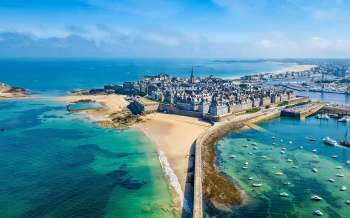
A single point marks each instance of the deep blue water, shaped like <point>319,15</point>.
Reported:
<point>64,74</point>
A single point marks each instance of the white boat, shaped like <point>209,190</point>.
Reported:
<point>257,184</point>
<point>278,173</point>
<point>347,201</point>
<point>316,198</point>
<point>331,180</point>
<point>318,213</point>
<point>233,156</point>
<point>246,163</point>
<point>284,194</point>
<point>244,167</point>
<point>340,175</point>
<point>348,162</point>
<point>289,160</point>
<point>250,178</point>
<point>290,142</point>
<point>295,167</point>
<point>314,170</point>
<point>286,183</point>
<point>314,150</point>
<point>311,139</point>
<point>330,141</point>
<point>334,156</point>
<point>282,152</point>
<point>322,116</point>
<point>338,167</point>
<point>344,119</point>
<point>343,188</point>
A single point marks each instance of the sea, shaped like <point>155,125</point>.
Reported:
<point>59,164</point>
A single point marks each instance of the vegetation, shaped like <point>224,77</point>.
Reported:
<point>267,106</point>
<point>252,110</point>
<point>284,103</point>
<point>299,104</point>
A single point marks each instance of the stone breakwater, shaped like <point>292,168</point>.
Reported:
<point>211,187</point>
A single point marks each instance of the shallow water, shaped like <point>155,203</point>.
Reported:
<point>265,160</point>
<point>56,164</point>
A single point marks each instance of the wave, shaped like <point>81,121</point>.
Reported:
<point>174,182</point>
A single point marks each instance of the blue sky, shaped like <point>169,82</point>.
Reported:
<point>169,28</point>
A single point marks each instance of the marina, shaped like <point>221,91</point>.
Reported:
<point>284,179</point>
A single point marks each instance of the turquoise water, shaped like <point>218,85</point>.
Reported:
<point>56,164</point>
<point>290,172</point>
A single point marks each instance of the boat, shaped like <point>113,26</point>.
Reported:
<point>348,162</point>
<point>331,180</point>
<point>340,175</point>
<point>257,184</point>
<point>284,194</point>
<point>250,178</point>
<point>345,142</point>
<point>318,213</point>
<point>334,156</point>
<point>286,183</point>
<point>244,167</point>
<point>289,160</point>
<point>314,170</point>
<point>343,188</point>
<point>347,201</point>
<point>314,150</point>
<point>246,163</point>
<point>316,198</point>
<point>344,119</point>
<point>330,141</point>
<point>339,167</point>
<point>233,156</point>
<point>282,152</point>
<point>278,173</point>
<point>322,116</point>
<point>311,139</point>
<point>273,137</point>
<point>295,167</point>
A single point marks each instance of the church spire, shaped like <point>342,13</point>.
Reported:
<point>192,78</point>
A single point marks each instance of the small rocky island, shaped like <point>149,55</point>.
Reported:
<point>8,92</point>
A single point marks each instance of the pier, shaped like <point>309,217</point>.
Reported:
<point>340,110</point>
<point>302,111</point>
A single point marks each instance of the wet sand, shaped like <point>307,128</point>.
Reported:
<point>112,103</point>
<point>174,136</point>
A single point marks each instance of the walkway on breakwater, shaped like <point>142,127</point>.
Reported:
<point>209,138</point>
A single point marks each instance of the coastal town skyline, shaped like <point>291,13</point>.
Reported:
<point>158,28</point>
<point>174,108</point>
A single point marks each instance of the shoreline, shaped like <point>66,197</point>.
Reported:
<point>295,68</point>
<point>174,136</point>
<point>220,192</point>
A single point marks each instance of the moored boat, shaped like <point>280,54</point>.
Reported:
<point>257,184</point>
<point>316,198</point>
<point>311,139</point>
<point>330,141</point>
<point>322,116</point>
<point>318,213</point>
<point>344,119</point>
<point>284,194</point>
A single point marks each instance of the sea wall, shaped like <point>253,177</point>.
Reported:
<point>209,184</point>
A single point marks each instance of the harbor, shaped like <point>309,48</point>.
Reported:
<point>289,166</point>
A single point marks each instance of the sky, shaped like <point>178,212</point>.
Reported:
<point>175,28</point>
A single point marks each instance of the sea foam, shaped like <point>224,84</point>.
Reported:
<point>174,182</point>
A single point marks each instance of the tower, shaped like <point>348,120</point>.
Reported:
<point>192,78</point>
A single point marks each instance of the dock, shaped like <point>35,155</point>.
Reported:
<point>302,111</point>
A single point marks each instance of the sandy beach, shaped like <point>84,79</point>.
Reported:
<point>112,103</point>
<point>174,136</point>
<point>296,68</point>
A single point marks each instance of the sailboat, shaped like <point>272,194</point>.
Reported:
<point>345,141</point>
